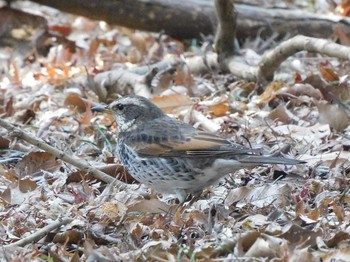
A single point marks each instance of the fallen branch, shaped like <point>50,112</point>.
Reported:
<point>79,163</point>
<point>198,18</point>
<point>123,82</point>
<point>40,233</point>
<point>224,57</point>
<point>271,60</point>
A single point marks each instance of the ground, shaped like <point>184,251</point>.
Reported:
<point>47,87</point>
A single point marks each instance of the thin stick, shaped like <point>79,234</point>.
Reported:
<point>40,233</point>
<point>79,163</point>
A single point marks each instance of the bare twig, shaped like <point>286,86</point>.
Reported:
<point>40,233</point>
<point>79,163</point>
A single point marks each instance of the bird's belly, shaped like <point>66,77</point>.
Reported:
<point>165,175</point>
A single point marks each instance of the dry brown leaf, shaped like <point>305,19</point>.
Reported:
<point>118,171</point>
<point>114,211</point>
<point>75,101</point>
<point>27,116</point>
<point>297,78</point>
<point>72,236</point>
<point>301,255</point>
<point>184,78</point>
<point>299,208</point>
<point>337,255</point>
<point>299,235</point>
<point>141,41</point>
<point>342,36</point>
<point>10,174</point>
<point>86,117</point>
<point>137,231</point>
<point>165,80</point>
<point>338,211</point>
<point>6,195</point>
<point>26,185</point>
<point>236,195</point>
<point>268,247</point>
<point>305,89</point>
<point>134,56</point>
<point>260,249</point>
<point>171,103</point>
<point>259,196</point>
<point>64,30</point>
<point>333,115</point>
<point>107,120</point>
<point>244,242</point>
<point>344,7</point>
<point>270,92</point>
<point>280,114</point>
<point>314,214</point>
<point>242,89</point>
<point>337,238</point>
<point>329,74</point>
<point>9,110</point>
<point>15,196</point>
<point>238,106</point>
<point>33,163</point>
<point>4,143</point>
<point>341,92</point>
<point>150,206</point>
<point>220,109</point>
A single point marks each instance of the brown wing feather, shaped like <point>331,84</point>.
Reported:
<point>198,144</point>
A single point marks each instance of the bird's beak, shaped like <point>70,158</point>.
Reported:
<point>100,108</point>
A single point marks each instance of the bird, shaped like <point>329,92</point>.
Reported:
<point>171,156</point>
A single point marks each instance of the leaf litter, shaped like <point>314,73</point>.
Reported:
<point>268,213</point>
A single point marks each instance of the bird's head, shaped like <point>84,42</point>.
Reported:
<point>131,112</point>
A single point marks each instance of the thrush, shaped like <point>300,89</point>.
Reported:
<point>173,157</point>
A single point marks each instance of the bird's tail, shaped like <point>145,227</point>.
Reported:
<point>260,160</point>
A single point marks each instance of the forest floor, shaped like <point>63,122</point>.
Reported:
<point>279,213</point>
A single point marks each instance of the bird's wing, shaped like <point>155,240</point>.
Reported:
<point>181,140</point>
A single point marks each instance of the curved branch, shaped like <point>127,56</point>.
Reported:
<point>271,60</point>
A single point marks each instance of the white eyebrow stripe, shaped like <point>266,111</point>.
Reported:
<point>130,100</point>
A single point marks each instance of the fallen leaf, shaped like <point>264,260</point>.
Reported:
<point>333,115</point>
<point>259,196</point>
<point>26,185</point>
<point>329,74</point>
<point>4,143</point>
<point>33,164</point>
<point>75,101</point>
<point>149,206</point>
<point>270,92</point>
<point>337,255</point>
<point>72,236</point>
<point>173,102</point>
<point>301,236</point>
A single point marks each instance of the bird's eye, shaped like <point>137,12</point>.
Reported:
<point>119,107</point>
